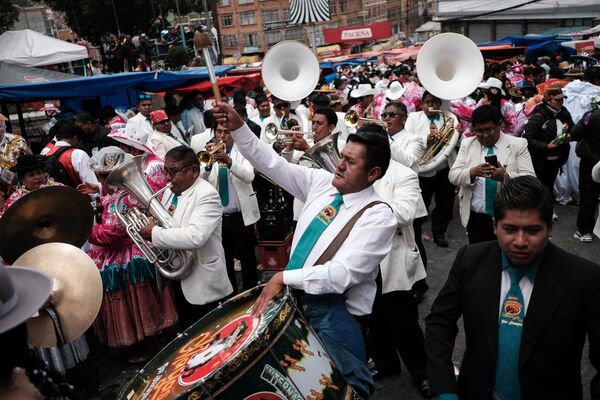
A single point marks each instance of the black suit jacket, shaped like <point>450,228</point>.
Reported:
<point>564,307</point>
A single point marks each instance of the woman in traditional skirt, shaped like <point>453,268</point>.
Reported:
<point>133,309</point>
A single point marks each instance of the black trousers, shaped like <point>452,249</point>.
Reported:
<point>420,286</point>
<point>395,330</point>
<point>239,240</point>
<point>440,187</point>
<point>588,197</point>
<point>480,228</point>
<point>547,173</point>
<point>188,313</point>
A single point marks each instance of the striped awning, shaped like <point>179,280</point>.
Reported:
<point>305,11</point>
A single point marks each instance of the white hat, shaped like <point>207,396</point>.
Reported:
<point>129,136</point>
<point>492,83</point>
<point>394,91</point>
<point>108,158</point>
<point>364,89</point>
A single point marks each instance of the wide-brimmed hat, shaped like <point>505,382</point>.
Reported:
<point>565,65</point>
<point>394,91</point>
<point>554,93</point>
<point>574,73</point>
<point>22,292</point>
<point>516,91</point>
<point>324,89</point>
<point>492,83</point>
<point>362,90</point>
<point>107,159</point>
<point>28,162</point>
<point>129,137</point>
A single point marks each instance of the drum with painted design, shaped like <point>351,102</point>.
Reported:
<point>231,355</point>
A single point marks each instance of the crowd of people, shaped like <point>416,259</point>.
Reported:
<point>521,141</point>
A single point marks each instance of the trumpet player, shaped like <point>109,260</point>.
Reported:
<point>406,147</point>
<point>280,118</point>
<point>196,208</point>
<point>232,175</point>
<point>324,123</point>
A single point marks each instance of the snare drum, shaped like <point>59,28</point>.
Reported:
<point>229,354</point>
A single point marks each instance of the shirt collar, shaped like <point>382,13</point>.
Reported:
<point>352,199</point>
<point>530,270</point>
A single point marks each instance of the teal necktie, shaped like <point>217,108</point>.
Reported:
<point>173,205</point>
<point>490,190</point>
<point>224,182</point>
<point>313,232</point>
<point>510,328</point>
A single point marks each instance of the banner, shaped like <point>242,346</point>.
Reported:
<point>586,47</point>
<point>382,30</point>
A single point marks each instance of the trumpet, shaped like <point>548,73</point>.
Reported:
<point>352,120</point>
<point>207,156</point>
<point>281,136</point>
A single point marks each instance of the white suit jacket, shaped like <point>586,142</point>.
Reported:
<point>160,143</point>
<point>403,266</point>
<point>407,149</point>
<point>241,174</point>
<point>418,124</point>
<point>511,152</point>
<point>198,215</point>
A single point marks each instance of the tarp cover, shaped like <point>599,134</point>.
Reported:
<point>15,74</point>
<point>33,49</point>
<point>104,85</point>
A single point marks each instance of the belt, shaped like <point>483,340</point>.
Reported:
<point>232,215</point>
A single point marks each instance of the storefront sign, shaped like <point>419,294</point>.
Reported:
<point>382,30</point>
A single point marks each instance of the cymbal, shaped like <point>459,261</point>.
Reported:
<point>49,214</point>
<point>76,291</point>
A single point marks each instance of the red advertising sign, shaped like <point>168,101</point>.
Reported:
<point>586,47</point>
<point>382,30</point>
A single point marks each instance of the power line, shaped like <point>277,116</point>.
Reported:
<point>491,12</point>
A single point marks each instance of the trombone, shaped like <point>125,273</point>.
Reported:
<point>352,120</point>
<point>207,156</point>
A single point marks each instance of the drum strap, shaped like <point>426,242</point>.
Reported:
<point>343,234</point>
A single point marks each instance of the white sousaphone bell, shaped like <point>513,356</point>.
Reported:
<point>290,70</point>
<point>449,66</point>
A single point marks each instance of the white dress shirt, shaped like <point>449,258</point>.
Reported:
<point>478,199</point>
<point>353,269</point>
<point>193,120</point>
<point>526,288</point>
<point>81,164</point>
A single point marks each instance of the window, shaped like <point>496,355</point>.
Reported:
<point>250,39</point>
<point>223,3</point>
<point>286,14</point>
<point>294,34</point>
<point>270,16</point>
<point>229,41</point>
<point>332,7</point>
<point>245,1</point>
<point>273,37</point>
<point>227,19</point>
<point>248,18</point>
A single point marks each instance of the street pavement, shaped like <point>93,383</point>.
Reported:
<point>106,371</point>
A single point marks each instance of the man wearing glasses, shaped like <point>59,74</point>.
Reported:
<point>281,118</point>
<point>406,147</point>
<point>196,209</point>
<point>483,163</point>
<point>141,122</point>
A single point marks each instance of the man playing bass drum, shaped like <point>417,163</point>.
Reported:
<point>334,288</point>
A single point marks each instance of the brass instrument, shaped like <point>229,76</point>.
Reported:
<point>444,137</point>
<point>207,156</point>
<point>172,264</point>
<point>352,119</point>
<point>323,154</point>
<point>281,137</point>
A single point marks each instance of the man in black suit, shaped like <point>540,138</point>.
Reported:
<point>524,334</point>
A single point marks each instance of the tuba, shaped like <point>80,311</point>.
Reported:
<point>323,154</point>
<point>449,66</point>
<point>171,264</point>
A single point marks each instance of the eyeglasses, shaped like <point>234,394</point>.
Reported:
<point>174,171</point>
<point>391,114</point>
<point>144,96</point>
<point>281,105</point>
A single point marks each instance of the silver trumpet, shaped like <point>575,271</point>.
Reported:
<point>281,136</point>
<point>171,264</point>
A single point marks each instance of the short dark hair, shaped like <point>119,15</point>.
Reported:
<point>427,93</point>
<point>399,105</point>
<point>65,129</point>
<point>524,193</point>
<point>486,113</point>
<point>320,100</point>
<point>209,119</point>
<point>241,110</point>
<point>172,109</point>
<point>375,138</point>
<point>259,99</point>
<point>183,153</point>
<point>328,112</point>
<point>84,116</point>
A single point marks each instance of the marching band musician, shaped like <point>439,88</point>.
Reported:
<point>365,95</point>
<point>161,141</point>
<point>479,179</point>
<point>324,122</point>
<point>340,290</point>
<point>399,333</point>
<point>406,147</point>
<point>280,118</point>
<point>196,208</point>
<point>426,123</point>
<point>232,176</point>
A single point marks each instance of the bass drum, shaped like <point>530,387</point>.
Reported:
<point>229,354</point>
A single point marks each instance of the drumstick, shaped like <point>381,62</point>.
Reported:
<point>202,41</point>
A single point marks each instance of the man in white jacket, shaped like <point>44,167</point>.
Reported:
<point>196,209</point>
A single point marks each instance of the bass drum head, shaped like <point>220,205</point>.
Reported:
<point>229,354</point>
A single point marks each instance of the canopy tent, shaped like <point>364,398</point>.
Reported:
<point>226,84</point>
<point>588,32</point>
<point>501,52</point>
<point>537,46</point>
<point>11,74</point>
<point>105,85</point>
<point>32,49</point>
